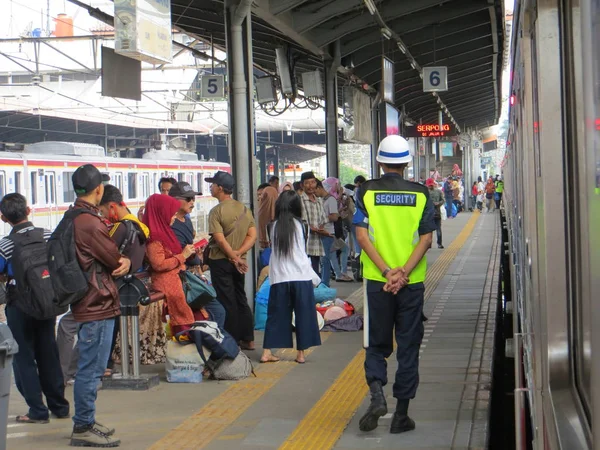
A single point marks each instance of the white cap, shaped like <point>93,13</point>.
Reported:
<point>394,149</point>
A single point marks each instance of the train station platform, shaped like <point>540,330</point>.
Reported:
<point>317,405</point>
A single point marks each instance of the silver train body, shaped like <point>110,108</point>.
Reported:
<point>552,206</point>
<point>45,180</point>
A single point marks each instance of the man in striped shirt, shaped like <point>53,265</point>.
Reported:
<point>36,365</point>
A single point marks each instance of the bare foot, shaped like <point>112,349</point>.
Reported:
<point>268,357</point>
<point>300,359</point>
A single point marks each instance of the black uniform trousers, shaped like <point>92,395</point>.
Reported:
<point>37,365</point>
<point>231,293</point>
<point>402,313</point>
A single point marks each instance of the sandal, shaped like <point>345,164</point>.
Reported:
<point>26,419</point>
<point>107,373</point>
<point>272,359</point>
<point>300,362</point>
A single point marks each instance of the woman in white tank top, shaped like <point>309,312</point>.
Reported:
<point>291,276</point>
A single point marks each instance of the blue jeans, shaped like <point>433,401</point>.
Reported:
<point>94,342</point>
<point>330,259</point>
<point>216,312</point>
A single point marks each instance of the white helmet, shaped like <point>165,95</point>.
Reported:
<point>394,149</point>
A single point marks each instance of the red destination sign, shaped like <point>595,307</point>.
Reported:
<point>430,130</point>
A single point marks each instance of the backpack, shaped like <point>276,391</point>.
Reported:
<point>133,232</point>
<point>226,361</point>
<point>69,281</point>
<point>33,293</point>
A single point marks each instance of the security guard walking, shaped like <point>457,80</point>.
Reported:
<point>394,225</point>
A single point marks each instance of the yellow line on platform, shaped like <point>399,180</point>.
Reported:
<point>326,421</point>
<point>204,426</point>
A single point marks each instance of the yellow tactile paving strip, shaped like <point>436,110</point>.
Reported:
<point>326,421</point>
<point>204,426</point>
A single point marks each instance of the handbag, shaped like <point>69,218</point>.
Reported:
<point>212,243</point>
<point>197,292</point>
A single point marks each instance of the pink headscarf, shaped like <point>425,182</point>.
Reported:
<point>331,185</point>
<point>287,183</point>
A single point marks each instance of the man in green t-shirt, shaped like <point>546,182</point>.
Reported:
<point>233,233</point>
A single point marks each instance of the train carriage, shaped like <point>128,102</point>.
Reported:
<point>44,177</point>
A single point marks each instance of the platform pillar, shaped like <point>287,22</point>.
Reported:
<point>238,32</point>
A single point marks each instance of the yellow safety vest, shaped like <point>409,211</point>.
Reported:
<point>393,218</point>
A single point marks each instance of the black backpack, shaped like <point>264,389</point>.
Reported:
<point>133,233</point>
<point>33,293</point>
<point>69,280</point>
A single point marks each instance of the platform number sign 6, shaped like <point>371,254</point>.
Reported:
<point>213,86</point>
<point>435,79</point>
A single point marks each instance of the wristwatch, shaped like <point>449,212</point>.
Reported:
<point>385,272</point>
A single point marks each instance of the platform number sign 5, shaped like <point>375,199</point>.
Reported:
<point>213,86</point>
<point>435,79</point>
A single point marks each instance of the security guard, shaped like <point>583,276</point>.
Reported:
<point>394,225</point>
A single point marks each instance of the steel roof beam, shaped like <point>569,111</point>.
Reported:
<point>417,21</point>
<point>389,11</point>
<point>277,7</point>
<point>323,11</point>
<point>367,54</point>
<point>464,57</point>
<point>283,22</point>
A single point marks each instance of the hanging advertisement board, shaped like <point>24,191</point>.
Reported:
<point>143,30</point>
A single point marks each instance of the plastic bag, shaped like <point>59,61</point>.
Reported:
<point>184,364</point>
<point>443,212</point>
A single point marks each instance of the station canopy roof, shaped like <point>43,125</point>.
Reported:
<point>466,36</point>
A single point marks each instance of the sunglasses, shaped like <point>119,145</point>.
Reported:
<point>186,199</point>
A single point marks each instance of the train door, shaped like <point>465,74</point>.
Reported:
<point>117,180</point>
<point>5,227</point>
<point>145,185</point>
<point>50,199</point>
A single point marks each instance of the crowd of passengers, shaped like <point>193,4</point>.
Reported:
<point>304,231</point>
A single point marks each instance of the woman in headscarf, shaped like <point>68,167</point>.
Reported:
<point>334,190</point>
<point>167,259</point>
<point>287,186</point>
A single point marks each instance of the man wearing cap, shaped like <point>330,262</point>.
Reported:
<point>437,198</point>
<point>98,256</point>
<point>233,233</point>
<point>182,227</point>
<point>394,221</point>
<point>313,214</point>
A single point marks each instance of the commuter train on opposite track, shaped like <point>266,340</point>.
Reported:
<point>43,174</point>
<point>551,283</point>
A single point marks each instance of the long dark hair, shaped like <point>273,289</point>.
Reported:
<point>288,209</point>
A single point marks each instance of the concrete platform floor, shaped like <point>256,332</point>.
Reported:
<point>317,405</point>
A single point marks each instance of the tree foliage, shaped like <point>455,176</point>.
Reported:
<point>348,173</point>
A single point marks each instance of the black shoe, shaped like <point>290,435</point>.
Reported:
<point>440,246</point>
<point>401,423</point>
<point>377,408</point>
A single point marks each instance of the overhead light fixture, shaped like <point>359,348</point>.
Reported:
<point>371,6</point>
<point>434,94</point>
<point>413,65</point>
<point>386,33</point>
<point>402,47</point>
<point>421,75</point>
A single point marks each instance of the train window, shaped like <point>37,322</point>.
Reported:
<point>181,176</point>
<point>131,185</point>
<point>18,176</point>
<point>2,184</point>
<point>33,187</point>
<point>68,189</point>
<point>50,188</point>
